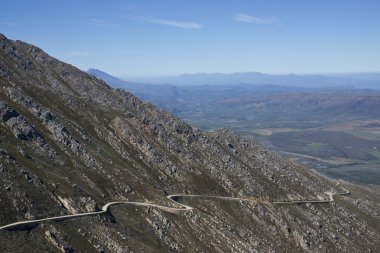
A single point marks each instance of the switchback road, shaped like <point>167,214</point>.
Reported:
<point>174,198</point>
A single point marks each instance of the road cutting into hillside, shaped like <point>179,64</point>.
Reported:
<point>20,225</point>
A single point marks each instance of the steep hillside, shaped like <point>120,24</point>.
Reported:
<point>70,144</point>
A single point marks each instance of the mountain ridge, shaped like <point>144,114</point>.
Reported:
<point>354,80</point>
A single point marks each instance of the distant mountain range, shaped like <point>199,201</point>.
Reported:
<point>114,81</point>
<point>291,100</point>
<point>353,80</point>
<point>177,98</point>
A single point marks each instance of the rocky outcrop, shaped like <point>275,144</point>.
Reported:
<point>21,129</point>
<point>56,238</point>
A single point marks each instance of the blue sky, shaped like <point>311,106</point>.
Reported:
<point>168,37</point>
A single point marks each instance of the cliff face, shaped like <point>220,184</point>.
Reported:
<point>69,143</point>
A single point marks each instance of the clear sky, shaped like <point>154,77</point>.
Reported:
<point>169,37</point>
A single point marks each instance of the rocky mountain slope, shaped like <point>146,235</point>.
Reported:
<point>69,143</point>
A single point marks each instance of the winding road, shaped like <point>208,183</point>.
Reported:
<point>174,198</point>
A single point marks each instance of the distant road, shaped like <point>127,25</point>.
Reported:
<point>174,198</point>
<point>302,155</point>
